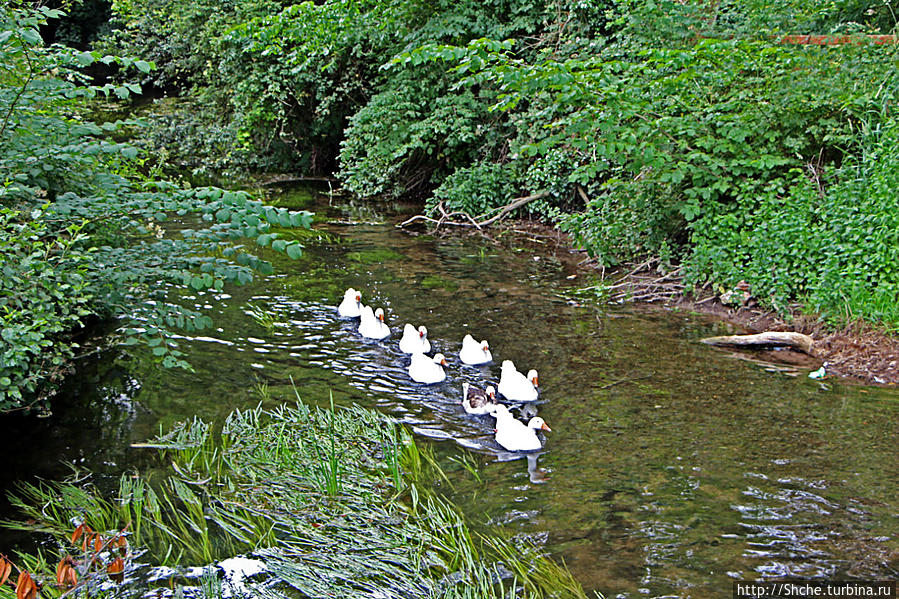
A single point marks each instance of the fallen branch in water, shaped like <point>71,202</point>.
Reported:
<point>446,217</point>
<point>767,339</point>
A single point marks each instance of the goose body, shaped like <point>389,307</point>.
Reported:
<point>424,369</point>
<point>351,306</point>
<point>514,435</point>
<point>473,352</point>
<point>372,325</point>
<point>415,341</point>
<point>478,401</point>
<point>515,386</point>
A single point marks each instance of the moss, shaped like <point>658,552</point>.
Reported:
<point>374,256</point>
<point>436,282</point>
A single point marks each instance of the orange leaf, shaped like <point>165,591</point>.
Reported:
<point>71,578</point>
<point>76,534</point>
<point>116,569</point>
<point>65,572</point>
<point>98,543</point>
<point>122,544</point>
<point>26,588</point>
<point>5,569</point>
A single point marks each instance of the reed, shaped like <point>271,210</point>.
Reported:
<point>337,502</point>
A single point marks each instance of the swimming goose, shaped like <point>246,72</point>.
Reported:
<point>427,370</point>
<point>371,324</point>
<point>514,435</point>
<point>478,401</point>
<point>351,306</point>
<point>474,352</point>
<point>515,386</point>
<point>415,341</point>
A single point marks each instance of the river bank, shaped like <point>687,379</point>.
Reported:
<point>859,352</point>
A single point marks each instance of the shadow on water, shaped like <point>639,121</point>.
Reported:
<point>672,468</point>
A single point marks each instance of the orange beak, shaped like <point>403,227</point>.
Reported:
<point>421,333</point>
<point>358,297</point>
<point>381,317</point>
<point>443,362</point>
<point>546,427</point>
<point>536,384</point>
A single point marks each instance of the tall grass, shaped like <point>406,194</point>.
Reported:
<point>336,502</point>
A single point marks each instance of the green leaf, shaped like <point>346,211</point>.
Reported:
<point>294,250</point>
<point>31,36</point>
<point>84,58</point>
<point>143,66</point>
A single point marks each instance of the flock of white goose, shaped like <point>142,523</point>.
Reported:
<point>511,434</point>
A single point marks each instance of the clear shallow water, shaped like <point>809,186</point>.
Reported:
<point>672,468</point>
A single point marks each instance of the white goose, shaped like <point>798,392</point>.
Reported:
<point>515,386</point>
<point>427,370</point>
<point>514,435</point>
<point>351,306</point>
<point>478,401</point>
<point>372,325</point>
<point>414,340</point>
<point>473,352</point>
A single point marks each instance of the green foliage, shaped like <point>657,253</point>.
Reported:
<point>429,133</point>
<point>476,189</point>
<point>693,130</point>
<point>666,127</point>
<point>85,234</point>
<point>834,246</point>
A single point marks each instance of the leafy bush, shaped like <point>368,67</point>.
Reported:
<point>410,136</point>
<point>476,189</point>
<point>81,235</point>
<point>836,246</point>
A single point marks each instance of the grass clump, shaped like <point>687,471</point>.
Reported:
<point>335,502</point>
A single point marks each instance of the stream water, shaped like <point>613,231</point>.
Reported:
<point>672,469</point>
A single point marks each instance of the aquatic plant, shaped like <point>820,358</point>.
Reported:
<point>336,502</point>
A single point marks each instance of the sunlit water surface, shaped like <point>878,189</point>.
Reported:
<point>672,468</point>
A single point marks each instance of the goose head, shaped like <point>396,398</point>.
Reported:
<point>491,393</point>
<point>440,359</point>
<point>537,423</point>
<point>379,314</point>
<point>422,331</point>
<point>532,376</point>
<point>484,345</point>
